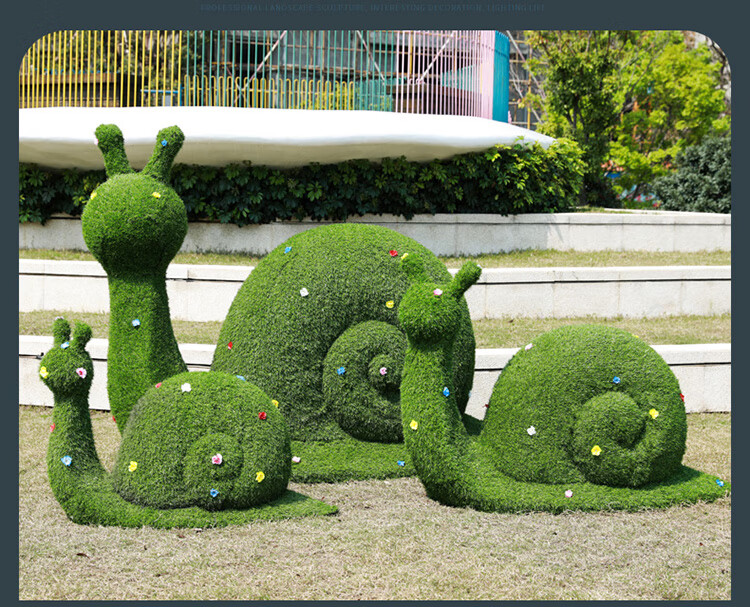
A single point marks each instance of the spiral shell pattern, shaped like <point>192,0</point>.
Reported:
<point>299,304</point>
<point>603,405</point>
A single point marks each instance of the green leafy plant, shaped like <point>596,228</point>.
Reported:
<point>702,179</point>
<point>583,418</point>
<point>503,180</point>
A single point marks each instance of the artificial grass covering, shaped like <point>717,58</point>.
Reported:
<point>314,326</point>
<point>584,417</point>
<point>201,449</point>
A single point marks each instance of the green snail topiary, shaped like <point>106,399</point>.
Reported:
<point>315,325</point>
<point>199,449</point>
<point>584,417</point>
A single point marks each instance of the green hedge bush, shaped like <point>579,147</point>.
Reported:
<point>503,180</point>
<point>702,180</point>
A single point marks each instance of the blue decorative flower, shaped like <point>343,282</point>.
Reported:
<point>401,463</point>
<point>242,377</point>
<point>214,492</point>
<point>65,344</point>
<point>446,392</point>
<point>287,249</point>
<point>615,380</point>
<point>66,459</point>
<point>136,323</point>
<point>164,143</point>
<point>341,370</point>
<point>719,482</point>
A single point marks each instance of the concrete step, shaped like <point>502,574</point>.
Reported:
<point>451,234</point>
<point>703,370</point>
<point>204,293</point>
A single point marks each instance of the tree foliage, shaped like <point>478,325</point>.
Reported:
<point>632,100</point>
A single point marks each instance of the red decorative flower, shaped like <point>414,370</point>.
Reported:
<point>682,396</point>
<point>229,345</point>
<point>158,385</point>
<point>113,418</point>
<point>52,428</point>
<point>262,415</point>
<point>393,253</point>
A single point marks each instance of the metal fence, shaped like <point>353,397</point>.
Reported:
<point>428,72</point>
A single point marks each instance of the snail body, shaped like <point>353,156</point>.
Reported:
<point>584,417</point>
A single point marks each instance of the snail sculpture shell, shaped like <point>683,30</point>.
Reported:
<point>315,325</point>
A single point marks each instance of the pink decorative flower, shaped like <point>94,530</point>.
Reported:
<point>158,385</point>
<point>296,459</point>
<point>81,372</point>
<point>217,459</point>
<point>568,493</point>
<point>383,370</point>
<point>52,428</point>
<point>437,292</point>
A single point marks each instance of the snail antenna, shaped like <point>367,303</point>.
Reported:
<point>81,335</point>
<point>110,141</point>
<point>168,143</point>
<point>464,278</point>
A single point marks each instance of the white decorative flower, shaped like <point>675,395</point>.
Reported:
<point>528,346</point>
<point>186,387</point>
<point>531,430</point>
<point>304,292</point>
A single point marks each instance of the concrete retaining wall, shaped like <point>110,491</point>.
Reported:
<point>703,370</point>
<point>204,293</point>
<point>444,234</point>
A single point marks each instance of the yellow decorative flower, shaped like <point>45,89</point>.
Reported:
<point>404,256</point>
<point>259,476</point>
<point>653,413</point>
<point>133,466</point>
<point>414,424</point>
<point>389,304</point>
<point>156,195</point>
<point>43,372</point>
<point>93,195</point>
<point>596,450</point>
<point>275,402</point>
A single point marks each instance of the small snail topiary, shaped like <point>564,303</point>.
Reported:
<point>583,418</point>
<point>199,450</point>
<point>315,325</point>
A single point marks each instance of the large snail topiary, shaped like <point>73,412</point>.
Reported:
<point>314,325</point>
<point>199,449</point>
<point>584,417</point>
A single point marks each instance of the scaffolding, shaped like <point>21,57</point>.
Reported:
<point>522,82</point>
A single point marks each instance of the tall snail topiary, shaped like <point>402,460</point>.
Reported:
<point>199,450</point>
<point>583,418</point>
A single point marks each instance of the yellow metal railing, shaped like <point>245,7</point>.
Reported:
<point>267,92</point>
<point>102,68</point>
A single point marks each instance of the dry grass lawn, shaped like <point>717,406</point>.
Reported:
<point>388,542</point>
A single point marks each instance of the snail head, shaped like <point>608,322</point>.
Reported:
<point>67,368</point>
<point>135,222</point>
<point>431,312</point>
